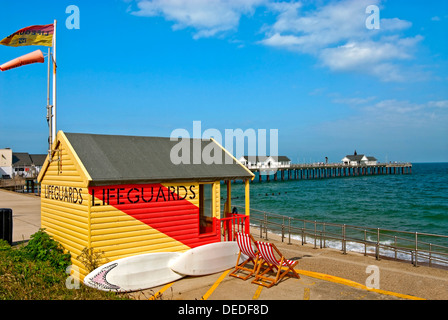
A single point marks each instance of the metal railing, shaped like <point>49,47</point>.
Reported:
<point>232,224</point>
<point>418,248</point>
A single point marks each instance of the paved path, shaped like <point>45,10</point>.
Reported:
<point>25,213</point>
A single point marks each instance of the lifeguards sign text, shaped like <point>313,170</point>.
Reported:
<point>133,194</point>
<point>63,193</point>
<point>122,194</point>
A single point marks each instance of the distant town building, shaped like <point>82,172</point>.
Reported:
<point>5,163</point>
<point>359,159</point>
<point>265,162</point>
<point>20,164</point>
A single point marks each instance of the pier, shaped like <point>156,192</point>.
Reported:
<point>329,170</point>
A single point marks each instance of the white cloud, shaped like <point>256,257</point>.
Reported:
<point>325,26</point>
<point>395,24</point>
<point>334,32</point>
<point>337,36</point>
<point>417,111</point>
<point>438,104</point>
<point>356,54</point>
<point>277,40</point>
<point>372,57</point>
<point>393,106</point>
<point>207,17</point>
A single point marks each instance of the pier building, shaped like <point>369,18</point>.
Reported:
<point>265,162</point>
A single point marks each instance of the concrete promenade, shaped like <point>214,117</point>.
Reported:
<point>25,213</point>
<point>326,274</point>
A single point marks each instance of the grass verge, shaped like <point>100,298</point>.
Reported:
<point>36,271</point>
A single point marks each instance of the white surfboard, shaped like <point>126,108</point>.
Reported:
<point>207,259</point>
<point>134,273</point>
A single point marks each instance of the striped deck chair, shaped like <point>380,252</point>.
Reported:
<point>268,257</point>
<point>245,241</point>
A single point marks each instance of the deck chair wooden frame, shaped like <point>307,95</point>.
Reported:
<point>245,242</point>
<point>280,268</point>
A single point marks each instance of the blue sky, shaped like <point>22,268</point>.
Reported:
<point>311,69</point>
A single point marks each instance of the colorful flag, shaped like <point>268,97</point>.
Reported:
<point>41,35</point>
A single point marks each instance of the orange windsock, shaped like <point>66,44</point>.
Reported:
<point>32,57</point>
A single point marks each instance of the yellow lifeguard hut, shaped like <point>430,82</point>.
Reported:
<point>122,195</point>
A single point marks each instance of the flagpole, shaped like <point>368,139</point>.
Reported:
<point>53,118</point>
<point>49,112</point>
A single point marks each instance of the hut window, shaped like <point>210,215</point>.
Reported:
<point>205,208</point>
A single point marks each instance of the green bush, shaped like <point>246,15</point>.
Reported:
<point>42,247</point>
<point>37,271</point>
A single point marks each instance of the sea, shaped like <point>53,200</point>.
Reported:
<point>415,202</point>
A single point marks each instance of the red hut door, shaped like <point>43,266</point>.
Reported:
<point>205,208</point>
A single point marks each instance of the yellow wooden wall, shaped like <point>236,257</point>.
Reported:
<point>64,215</point>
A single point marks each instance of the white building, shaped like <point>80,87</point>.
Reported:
<point>20,164</point>
<point>5,163</point>
<point>359,159</point>
<point>265,162</point>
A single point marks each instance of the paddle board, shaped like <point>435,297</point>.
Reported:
<point>207,259</point>
<point>134,273</point>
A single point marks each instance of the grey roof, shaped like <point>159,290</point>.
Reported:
<point>355,158</point>
<point>26,159</point>
<point>21,159</point>
<point>38,159</point>
<point>117,158</point>
<point>359,157</point>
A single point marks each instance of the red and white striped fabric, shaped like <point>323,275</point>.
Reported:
<point>245,245</point>
<point>267,253</point>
